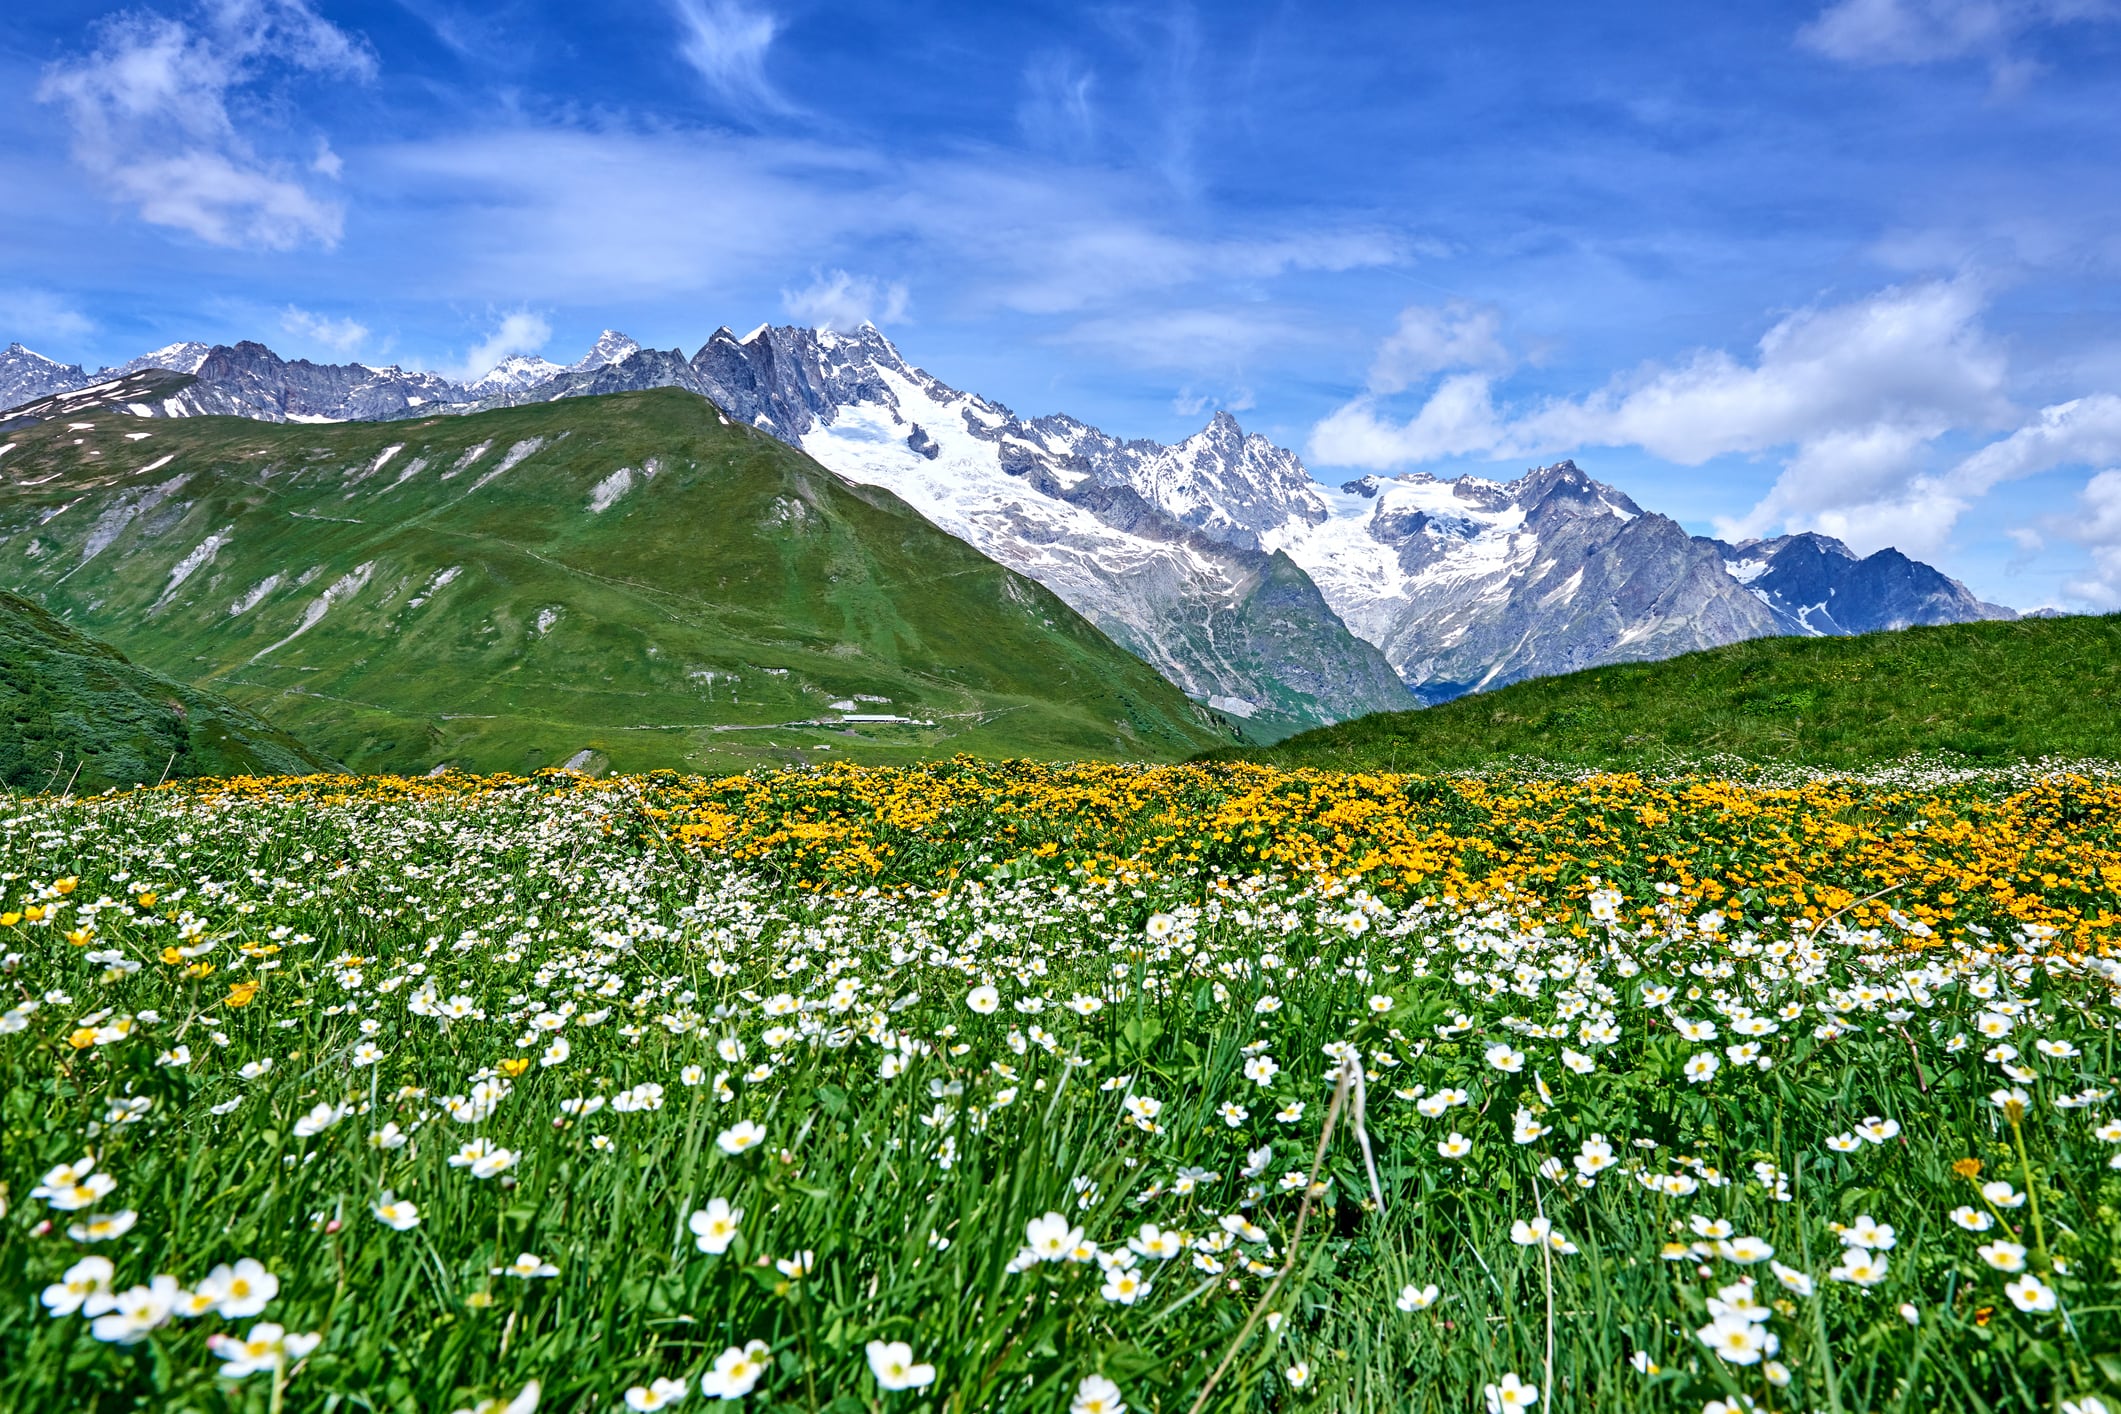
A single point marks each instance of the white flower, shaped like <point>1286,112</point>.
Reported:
<point>1512,1394</point>
<point>2029,1293</point>
<point>1162,1244</point>
<point>1796,1281</point>
<point>1873,1236</point>
<point>1972,1220</point>
<point>102,1227</point>
<point>736,1371</point>
<point>2002,1194</point>
<point>1702,1067</point>
<point>1261,1070</point>
<point>88,1277</point>
<point>1456,1146</point>
<point>742,1135</point>
<point>1124,1285</point>
<point>986,1001</point>
<point>1413,1298</point>
<point>657,1395</point>
<point>401,1214</point>
<point>320,1119</point>
<point>527,1265</point>
<point>1097,1395</point>
<point>267,1347</point>
<point>1737,1339</point>
<point>127,1317</point>
<point>241,1290</point>
<point>714,1226</point>
<point>1861,1267</point>
<point>892,1364</point>
<point>1744,1250</point>
<point>1050,1238</point>
<point>1298,1375</point>
<point>2003,1256</point>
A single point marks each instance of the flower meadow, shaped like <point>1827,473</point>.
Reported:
<point>1003,1086</point>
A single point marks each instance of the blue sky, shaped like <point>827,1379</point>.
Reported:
<point>1851,265</point>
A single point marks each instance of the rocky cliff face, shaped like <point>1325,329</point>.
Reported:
<point>1817,585</point>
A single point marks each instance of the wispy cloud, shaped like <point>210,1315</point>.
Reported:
<point>149,108</point>
<point>1884,32</point>
<point>1853,398</point>
<point>835,299</point>
<point>519,332</point>
<point>1058,112</point>
<point>726,42</point>
<point>342,336</point>
<point>39,314</point>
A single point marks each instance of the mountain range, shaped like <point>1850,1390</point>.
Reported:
<point>1219,560</point>
<point>632,579</point>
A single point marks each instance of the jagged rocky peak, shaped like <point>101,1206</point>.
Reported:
<point>515,373</point>
<point>185,356</point>
<point>26,375</point>
<point>611,347</point>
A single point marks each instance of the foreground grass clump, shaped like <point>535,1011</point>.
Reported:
<point>1987,692</point>
<point>1011,1088</point>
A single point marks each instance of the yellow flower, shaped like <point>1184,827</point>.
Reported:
<point>147,900</point>
<point>199,969</point>
<point>83,1038</point>
<point>1967,1168</point>
<point>241,994</point>
<point>514,1066</point>
<point>81,937</point>
<point>67,885</point>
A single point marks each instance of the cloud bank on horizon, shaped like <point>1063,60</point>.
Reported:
<point>1846,265</point>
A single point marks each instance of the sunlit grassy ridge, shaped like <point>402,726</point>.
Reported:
<point>1991,692</point>
<point>630,576</point>
<point>464,1065</point>
<point>74,712</point>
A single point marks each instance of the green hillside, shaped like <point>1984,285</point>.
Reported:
<point>74,710</point>
<point>1990,692</point>
<point>627,580</point>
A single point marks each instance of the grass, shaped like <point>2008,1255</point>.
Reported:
<point>1989,692</point>
<point>991,994</point>
<point>497,619</point>
<point>74,713</point>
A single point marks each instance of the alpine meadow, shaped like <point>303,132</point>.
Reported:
<point>1343,709</point>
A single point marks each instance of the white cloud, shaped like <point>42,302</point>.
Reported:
<point>1458,419</point>
<point>2098,529</point>
<point>1882,32</point>
<point>341,336</point>
<point>150,110</point>
<point>39,314</point>
<point>726,42</point>
<point>1057,112</point>
<point>835,299</point>
<point>1433,338</point>
<point>1853,399</point>
<point>520,332</point>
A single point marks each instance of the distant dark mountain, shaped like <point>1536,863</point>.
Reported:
<point>1817,585</point>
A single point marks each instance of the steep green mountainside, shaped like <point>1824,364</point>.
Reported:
<point>1988,691</point>
<point>627,580</point>
<point>73,710</point>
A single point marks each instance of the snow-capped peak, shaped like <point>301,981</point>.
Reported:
<point>611,347</point>
<point>184,356</point>
<point>513,374</point>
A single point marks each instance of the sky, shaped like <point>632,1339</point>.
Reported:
<point>1841,265</point>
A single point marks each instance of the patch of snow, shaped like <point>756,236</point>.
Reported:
<point>80,427</point>
<point>547,617</point>
<point>412,468</point>
<point>158,463</point>
<point>383,457</point>
<point>1745,571</point>
<point>203,554</point>
<point>843,705</point>
<point>4,450</point>
<point>1235,706</point>
<point>343,588</point>
<point>254,595</point>
<point>467,459</point>
<point>435,584</point>
<point>514,458</point>
<point>606,493</point>
<point>138,436</point>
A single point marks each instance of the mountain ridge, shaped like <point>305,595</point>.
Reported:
<point>1424,587</point>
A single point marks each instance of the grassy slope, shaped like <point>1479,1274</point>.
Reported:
<point>741,587</point>
<point>1994,691</point>
<point>73,709</point>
